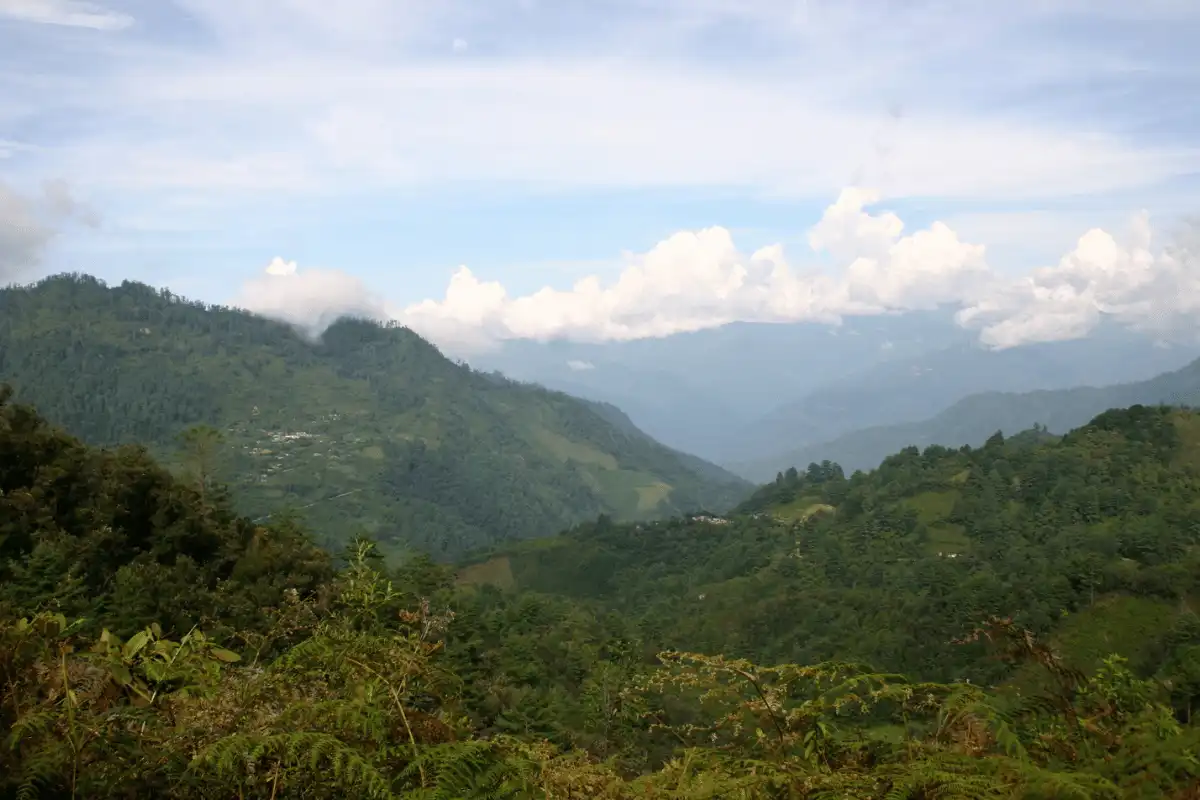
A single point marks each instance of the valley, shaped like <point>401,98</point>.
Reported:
<point>359,568</point>
<point>1013,618</point>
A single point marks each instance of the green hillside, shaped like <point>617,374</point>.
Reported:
<point>369,430</point>
<point>1092,540</point>
<point>153,643</point>
<point>973,419</point>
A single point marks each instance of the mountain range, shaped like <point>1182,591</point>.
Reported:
<point>369,429</point>
<point>744,395</point>
<point>973,419</point>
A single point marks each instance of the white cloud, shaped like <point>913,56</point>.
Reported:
<point>30,222</point>
<point>295,96</point>
<point>69,13</point>
<point>320,125</point>
<point>1153,291</point>
<point>699,279</point>
<point>280,267</point>
<point>575,365</point>
<point>311,299</point>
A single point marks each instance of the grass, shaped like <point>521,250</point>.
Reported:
<point>947,538</point>
<point>637,494</point>
<point>801,508</point>
<point>496,572</point>
<point>932,507</point>
<point>565,450</point>
<point>650,497</point>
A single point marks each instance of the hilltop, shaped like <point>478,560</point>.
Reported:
<point>973,419</point>
<point>370,429</point>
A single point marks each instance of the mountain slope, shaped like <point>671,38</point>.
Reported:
<point>370,429</point>
<point>739,392</point>
<point>973,419</point>
<point>696,391</point>
<point>916,388</point>
<point>1092,539</point>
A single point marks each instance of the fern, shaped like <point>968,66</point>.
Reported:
<point>285,759</point>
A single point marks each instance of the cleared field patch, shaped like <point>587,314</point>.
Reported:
<point>932,507</point>
<point>565,450</point>
<point>947,538</point>
<point>494,572</point>
<point>801,508</point>
<point>650,497</point>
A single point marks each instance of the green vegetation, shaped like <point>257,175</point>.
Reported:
<point>1090,538</point>
<point>370,430</point>
<point>155,644</point>
<point>1013,620</point>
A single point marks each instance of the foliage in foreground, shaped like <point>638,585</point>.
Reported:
<point>362,705</point>
<point>153,643</point>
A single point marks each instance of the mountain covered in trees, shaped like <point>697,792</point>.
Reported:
<point>973,419</point>
<point>1011,621</point>
<point>370,429</point>
<point>1090,539</point>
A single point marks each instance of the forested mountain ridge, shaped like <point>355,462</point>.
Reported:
<point>370,429</point>
<point>155,644</point>
<point>973,419</point>
<point>1092,539</point>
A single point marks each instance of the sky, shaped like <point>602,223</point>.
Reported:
<point>612,169</point>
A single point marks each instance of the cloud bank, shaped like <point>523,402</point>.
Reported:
<point>251,98</point>
<point>699,279</point>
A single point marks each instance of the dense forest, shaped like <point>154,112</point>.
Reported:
<point>1011,621</point>
<point>368,430</point>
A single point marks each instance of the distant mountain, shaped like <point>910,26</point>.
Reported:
<point>916,388</point>
<point>369,429</point>
<point>973,419</point>
<point>737,393</point>
<point>698,391</point>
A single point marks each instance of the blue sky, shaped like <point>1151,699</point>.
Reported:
<point>539,142</point>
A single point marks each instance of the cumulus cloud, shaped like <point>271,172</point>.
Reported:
<point>311,299</point>
<point>699,279</point>
<point>30,222</point>
<point>1156,292</point>
<point>69,13</point>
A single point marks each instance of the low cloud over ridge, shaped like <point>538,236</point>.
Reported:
<point>29,224</point>
<point>699,279</point>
